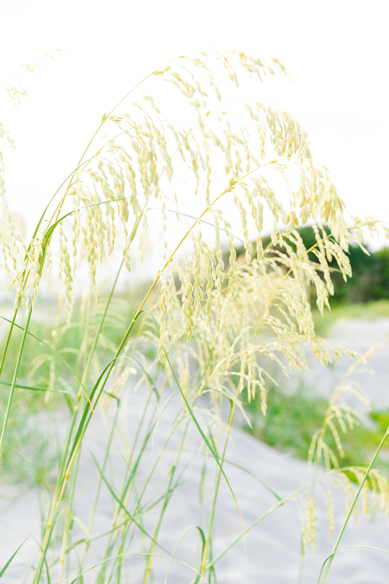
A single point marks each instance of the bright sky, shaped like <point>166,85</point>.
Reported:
<point>335,51</point>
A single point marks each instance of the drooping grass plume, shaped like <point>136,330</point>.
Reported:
<point>207,331</point>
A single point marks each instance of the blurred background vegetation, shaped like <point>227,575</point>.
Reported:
<point>364,296</point>
<point>370,279</point>
<point>292,419</point>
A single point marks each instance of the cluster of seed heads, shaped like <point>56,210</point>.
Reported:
<point>237,317</point>
<point>143,157</point>
<point>308,520</point>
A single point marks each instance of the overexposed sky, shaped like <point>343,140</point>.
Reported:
<point>335,51</point>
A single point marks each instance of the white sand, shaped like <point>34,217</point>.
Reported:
<point>272,547</point>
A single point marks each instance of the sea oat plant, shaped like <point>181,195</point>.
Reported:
<point>215,328</point>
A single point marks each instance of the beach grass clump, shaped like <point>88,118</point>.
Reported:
<point>206,333</point>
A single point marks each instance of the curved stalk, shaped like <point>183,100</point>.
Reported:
<point>363,481</point>
<point>215,494</point>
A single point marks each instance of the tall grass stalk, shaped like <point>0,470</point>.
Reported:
<point>351,509</point>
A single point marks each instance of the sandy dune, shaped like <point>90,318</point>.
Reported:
<point>272,546</point>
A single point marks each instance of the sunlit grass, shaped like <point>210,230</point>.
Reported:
<point>204,332</point>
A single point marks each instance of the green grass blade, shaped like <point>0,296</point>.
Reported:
<point>202,536</point>
<point>124,508</point>
<point>354,502</point>
<point>349,547</point>
<point>24,329</point>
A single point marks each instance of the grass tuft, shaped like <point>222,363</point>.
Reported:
<point>112,402</point>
